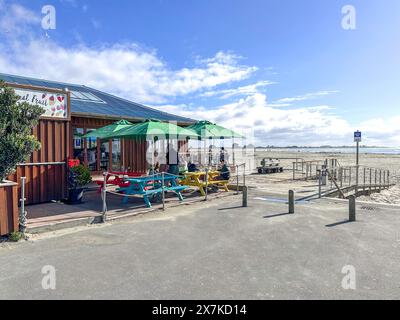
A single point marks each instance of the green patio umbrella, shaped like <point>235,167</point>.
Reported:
<point>153,129</point>
<point>111,129</point>
<point>208,130</point>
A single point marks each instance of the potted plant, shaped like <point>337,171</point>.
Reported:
<point>78,178</point>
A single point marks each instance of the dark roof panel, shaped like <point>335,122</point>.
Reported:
<point>110,105</point>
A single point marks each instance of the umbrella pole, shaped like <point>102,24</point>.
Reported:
<point>233,151</point>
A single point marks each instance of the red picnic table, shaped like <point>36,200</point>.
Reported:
<point>117,178</point>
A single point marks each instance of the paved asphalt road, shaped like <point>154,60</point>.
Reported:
<point>215,251</point>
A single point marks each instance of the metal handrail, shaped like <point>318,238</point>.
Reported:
<point>41,163</point>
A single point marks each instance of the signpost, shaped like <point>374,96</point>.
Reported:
<point>357,140</point>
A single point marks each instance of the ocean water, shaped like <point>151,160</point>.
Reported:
<point>392,151</point>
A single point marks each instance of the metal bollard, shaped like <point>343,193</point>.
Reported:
<point>245,196</point>
<point>104,191</point>
<point>291,201</point>
<point>352,208</point>
<point>22,213</point>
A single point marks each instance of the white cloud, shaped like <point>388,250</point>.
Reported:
<point>274,126</point>
<point>124,69</point>
<point>307,96</point>
<point>16,19</point>
<point>381,132</point>
<point>240,91</point>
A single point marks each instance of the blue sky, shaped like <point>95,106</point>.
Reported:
<point>285,70</point>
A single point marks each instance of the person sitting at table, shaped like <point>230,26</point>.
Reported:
<point>192,167</point>
<point>154,170</point>
<point>224,172</point>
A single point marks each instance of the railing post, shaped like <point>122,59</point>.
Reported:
<point>104,190</point>
<point>206,185</point>
<point>163,190</point>
<point>291,201</point>
<point>320,184</point>
<point>341,176</point>
<point>237,179</point>
<point>370,180</point>
<point>365,178</point>
<point>244,174</point>
<point>384,179</point>
<point>352,208</point>
<point>294,171</point>
<point>22,214</point>
<point>350,177</point>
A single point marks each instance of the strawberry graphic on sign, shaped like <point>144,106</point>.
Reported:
<point>51,101</point>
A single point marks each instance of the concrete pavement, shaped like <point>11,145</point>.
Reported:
<point>216,250</point>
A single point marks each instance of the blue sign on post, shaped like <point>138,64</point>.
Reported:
<point>357,136</point>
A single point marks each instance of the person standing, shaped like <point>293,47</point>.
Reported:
<point>223,155</point>
<point>172,160</point>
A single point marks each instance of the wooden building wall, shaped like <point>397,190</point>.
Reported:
<point>46,169</point>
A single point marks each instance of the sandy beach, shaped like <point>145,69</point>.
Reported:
<point>280,183</point>
<point>381,161</point>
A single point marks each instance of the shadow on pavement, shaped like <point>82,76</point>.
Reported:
<point>337,223</point>
<point>278,215</point>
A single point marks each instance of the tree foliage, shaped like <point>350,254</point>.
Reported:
<point>16,123</point>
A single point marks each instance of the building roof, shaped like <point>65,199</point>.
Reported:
<point>87,101</point>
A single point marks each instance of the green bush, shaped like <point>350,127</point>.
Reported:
<point>16,236</point>
<point>16,123</point>
<point>79,177</point>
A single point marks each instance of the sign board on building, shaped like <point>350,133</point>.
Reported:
<point>357,136</point>
<point>54,104</point>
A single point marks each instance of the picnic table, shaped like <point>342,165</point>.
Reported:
<point>198,179</point>
<point>150,186</point>
<point>116,178</point>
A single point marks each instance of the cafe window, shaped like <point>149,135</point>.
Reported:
<point>79,144</point>
<point>92,155</point>
<point>105,156</point>
<point>116,154</point>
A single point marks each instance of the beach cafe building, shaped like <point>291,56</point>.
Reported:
<point>71,112</point>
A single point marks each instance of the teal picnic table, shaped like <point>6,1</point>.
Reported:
<point>151,186</point>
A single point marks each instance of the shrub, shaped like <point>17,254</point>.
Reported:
<point>79,177</point>
<point>16,236</point>
<point>16,123</point>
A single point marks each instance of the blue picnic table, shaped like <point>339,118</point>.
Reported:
<point>151,186</point>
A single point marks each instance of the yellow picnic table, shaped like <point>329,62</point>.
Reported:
<point>197,179</point>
